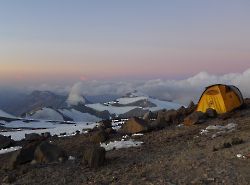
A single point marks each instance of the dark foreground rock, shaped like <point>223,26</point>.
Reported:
<point>94,156</point>
<point>46,153</point>
<point>5,142</point>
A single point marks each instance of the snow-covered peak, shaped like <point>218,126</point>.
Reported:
<point>129,100</point>
<point>135,94</point>
<point>46,114</point>
<point>133,102</point>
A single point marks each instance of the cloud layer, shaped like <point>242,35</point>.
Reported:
<point>181,91</point>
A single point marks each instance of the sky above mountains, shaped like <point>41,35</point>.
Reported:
<point>64,41</point>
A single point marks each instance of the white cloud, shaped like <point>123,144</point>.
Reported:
<point>181,91</point>
<point>75,94</point>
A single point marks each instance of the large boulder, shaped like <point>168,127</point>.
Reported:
<point>99,136</point>
<point>25,155</point>
<point>5,142</point>
<point>46,153</point>
<point>134,125</point>
<point>94,156</point>
<point>194,118</point>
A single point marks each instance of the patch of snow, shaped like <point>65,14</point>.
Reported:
<point>125,137</point>
<point>203,132</point>
<point>116,125</point>
<point>124,109</point>
<point>229,126</point>
<point>180,125</point>
<point>69,129</point>
<point>138,134</point>
<point>71,158</point>
<point>241,156</point>
<point>218,129</point>
<point>115,145</point>
<point>47,114</point>
<point>11,149</point>
<point>33,124</point>
<point>111,109</point>
<point>79,116</point>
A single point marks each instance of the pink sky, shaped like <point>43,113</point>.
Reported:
<point>44,42</point>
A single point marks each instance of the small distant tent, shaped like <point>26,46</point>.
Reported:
<point>222,98</point>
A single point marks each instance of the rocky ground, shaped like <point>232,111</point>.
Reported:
<point>177,154</point>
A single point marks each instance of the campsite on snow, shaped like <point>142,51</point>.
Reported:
<point>159,142</point>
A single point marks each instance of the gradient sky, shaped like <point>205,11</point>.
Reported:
<point>71,40</point>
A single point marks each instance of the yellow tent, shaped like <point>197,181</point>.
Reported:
<point>222,98</point>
